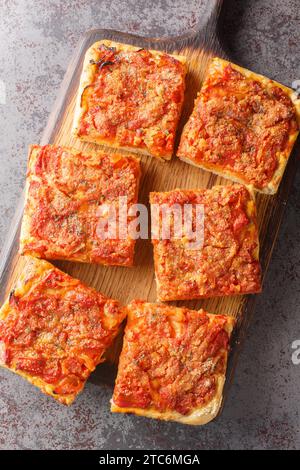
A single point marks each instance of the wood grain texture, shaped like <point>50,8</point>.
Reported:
<point>126,284</point>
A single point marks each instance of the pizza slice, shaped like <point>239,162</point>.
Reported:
<point>130,98</point>
<point>68,195</point>
<point>173,363</point>
<point>54,330</point>
<point>243,127</point>
<point>216,254</point>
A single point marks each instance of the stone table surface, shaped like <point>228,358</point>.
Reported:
<point>262,411</point>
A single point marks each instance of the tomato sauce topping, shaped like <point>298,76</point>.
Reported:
<point>239,124</point>
<point>134,100</point>
<point>171,358</point>
<point>227,263</point>
<point>58,331</point>
<point>64,196</point>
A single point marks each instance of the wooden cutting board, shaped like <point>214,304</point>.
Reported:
<point>126,284</point>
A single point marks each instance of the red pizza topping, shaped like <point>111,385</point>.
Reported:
<point>172,358</point>
<point>239,124</point>
<point>227,263</point>
<point>135,99</point>
<point>58,331</point>
<point>65,191</point>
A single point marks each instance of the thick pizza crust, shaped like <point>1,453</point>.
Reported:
<point>34,270</point>
<point>87,78</point>
<point>163,294</point>
<point>216,66</point>
<point>200,415</point>
<point>25,236</point>
<point>82,256</point>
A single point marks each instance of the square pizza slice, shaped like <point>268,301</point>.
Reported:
<point>173,363</point>
<point>54,330</point>
<point>216,254</point>
<point>68,193</point>
<point>130,98</point>
<point>243,127</point>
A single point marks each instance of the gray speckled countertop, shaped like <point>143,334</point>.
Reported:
<point>262,411</point>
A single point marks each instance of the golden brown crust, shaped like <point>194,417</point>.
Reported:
<point>198,417</point>
<point>172,366</point>
<point>64,190</point>
<point>89,77</point>
<point>256,97</point>
<point>56,359</point>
